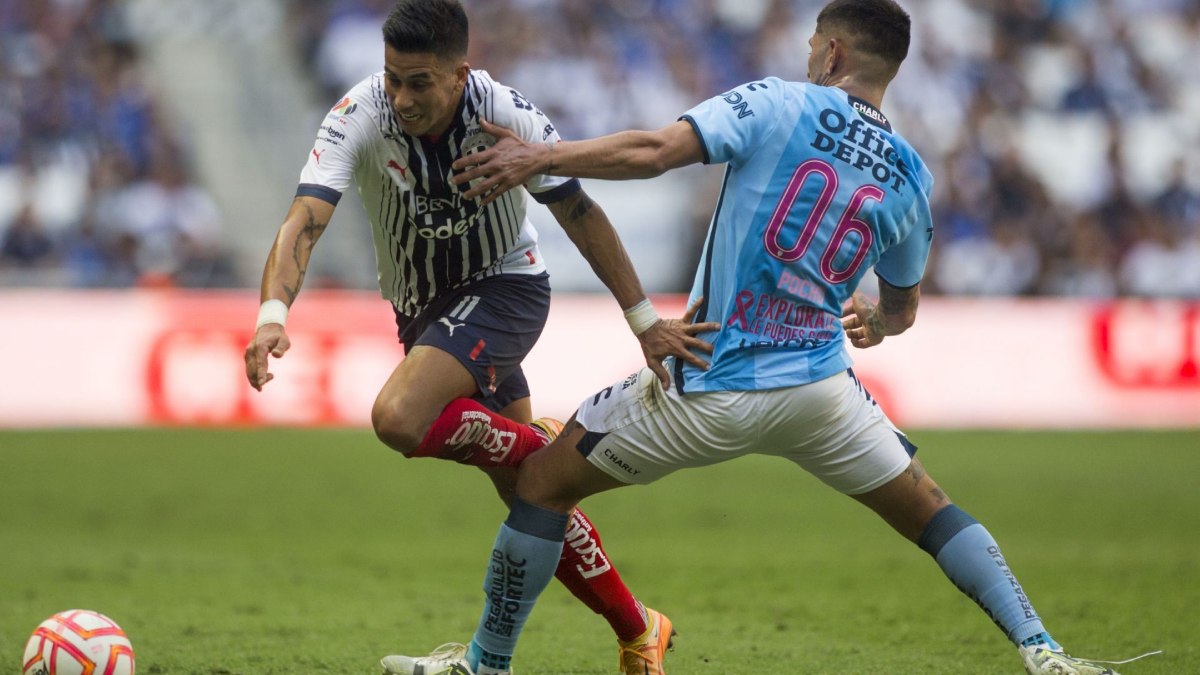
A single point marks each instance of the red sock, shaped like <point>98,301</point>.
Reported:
<point>585,570</point>
<point>468,433</point>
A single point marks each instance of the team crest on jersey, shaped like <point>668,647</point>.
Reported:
<point>344,107</point>
<point>476,142</point>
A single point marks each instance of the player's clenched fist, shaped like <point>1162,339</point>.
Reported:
<point>268,339</point>
<point>861,322</point>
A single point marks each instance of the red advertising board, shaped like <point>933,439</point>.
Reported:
<point>175,358</point>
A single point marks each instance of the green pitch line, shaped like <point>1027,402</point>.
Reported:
<point>269,552</point>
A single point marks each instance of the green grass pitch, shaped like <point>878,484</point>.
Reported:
<point>281,551</point>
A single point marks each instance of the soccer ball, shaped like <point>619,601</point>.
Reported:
<point>78,642</point>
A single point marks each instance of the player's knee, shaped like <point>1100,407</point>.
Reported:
<point>394,429</point>
<point>537,484</point>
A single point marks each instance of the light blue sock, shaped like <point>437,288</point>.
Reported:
<point>970,557</point>
<point>523,561</point>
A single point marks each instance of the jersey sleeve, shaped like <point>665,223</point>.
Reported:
<point>511,109</point>
<point>903,265</point>
<point>731,126</point>
<point>343,134</point>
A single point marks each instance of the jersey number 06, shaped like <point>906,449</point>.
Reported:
<point>847,223</point>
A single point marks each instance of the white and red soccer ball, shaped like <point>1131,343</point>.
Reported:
<point>78,642</point>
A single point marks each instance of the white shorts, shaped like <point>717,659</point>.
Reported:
<point>637,433</point>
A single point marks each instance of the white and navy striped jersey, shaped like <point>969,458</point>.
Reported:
<point>428,239</point>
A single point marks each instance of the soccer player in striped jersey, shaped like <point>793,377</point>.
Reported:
<point>465,278</point>
<point>818,189</point>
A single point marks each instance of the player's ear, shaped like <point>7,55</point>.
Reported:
<point>461,72</point>
<point>834,56</point>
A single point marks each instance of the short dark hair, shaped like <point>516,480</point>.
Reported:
<point>879,27</point>
<point>428,27</point>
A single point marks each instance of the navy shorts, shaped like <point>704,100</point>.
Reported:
<point>489,326</point>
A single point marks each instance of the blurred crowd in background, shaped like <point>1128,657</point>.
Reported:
<point>95,185</point>
<point>1064,134</point>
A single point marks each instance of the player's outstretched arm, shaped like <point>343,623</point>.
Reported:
<point>287,263</point>
<point>592,233</point>
<point>867,323</point>
<point>620,156</point>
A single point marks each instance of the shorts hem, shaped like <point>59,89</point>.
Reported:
<point>883,480</point>
<point>608,470</point>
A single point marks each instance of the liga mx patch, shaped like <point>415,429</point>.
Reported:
<point>344,107</point>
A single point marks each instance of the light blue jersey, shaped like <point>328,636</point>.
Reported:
<point>818,189</point>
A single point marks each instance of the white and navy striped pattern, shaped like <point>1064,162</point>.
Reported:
<point>428,239</point>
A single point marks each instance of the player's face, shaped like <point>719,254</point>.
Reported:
<point>424,90</point>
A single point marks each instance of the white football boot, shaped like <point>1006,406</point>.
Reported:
<point>1041,660</point>
<point>449,659</point>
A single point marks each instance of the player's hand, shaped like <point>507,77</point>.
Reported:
<point>500,168</point>
<point>861,322</point>
<point>676,337</point>
<point>269,339</point>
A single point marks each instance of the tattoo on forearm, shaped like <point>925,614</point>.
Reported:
<point>874,322</point>
<point>579,207</point>
<point>938,495</point>
<point>892,307</point>
<point>305,241</point>
<point>898,304</point>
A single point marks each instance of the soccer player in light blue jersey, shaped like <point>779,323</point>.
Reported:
<point>819,188</point>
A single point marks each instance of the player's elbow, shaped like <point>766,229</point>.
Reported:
<point>644,163</point>
<point>650,156</point>
<point>656,163</point>
<point>671,147</point>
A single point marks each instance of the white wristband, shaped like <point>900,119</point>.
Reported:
<point>641,317</point>
<point>272,311</point>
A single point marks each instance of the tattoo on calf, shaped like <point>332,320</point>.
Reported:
<point>916,471</point>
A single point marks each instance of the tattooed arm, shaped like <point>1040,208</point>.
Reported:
<point>288,261</point>
<point>283,276</point>
<point>590,230</point>
<point>867,323</point>
<point>592,233</point>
